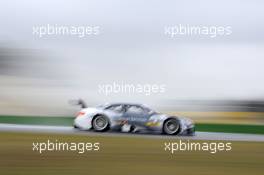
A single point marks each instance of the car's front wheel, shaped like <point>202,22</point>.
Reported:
<point>171,126</point>
<point>100,123</point>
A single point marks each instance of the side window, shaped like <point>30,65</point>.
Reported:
<point>135,109</point>
<point>116,108</point>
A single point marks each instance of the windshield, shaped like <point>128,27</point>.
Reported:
<point>103,105</point>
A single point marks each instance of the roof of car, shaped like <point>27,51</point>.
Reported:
<point>136,104</point>
<point>124,103</point>
<point>129,104</point>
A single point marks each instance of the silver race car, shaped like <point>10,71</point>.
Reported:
<point>126,117</point>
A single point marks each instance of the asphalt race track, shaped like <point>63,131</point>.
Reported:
<point>71,130</point>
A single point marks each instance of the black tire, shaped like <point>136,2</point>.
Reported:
<point>100,123</point>
<point>171,126</point>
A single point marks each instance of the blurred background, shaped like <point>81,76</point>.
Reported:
<point>208,79</point>
<point>216,81</point>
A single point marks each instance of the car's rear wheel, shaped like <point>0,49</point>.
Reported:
<point>100,123</point>
<point>171,126</point>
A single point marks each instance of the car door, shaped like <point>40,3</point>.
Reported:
<point>136,115</point>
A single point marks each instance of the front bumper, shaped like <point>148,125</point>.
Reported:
<point>190,131</point>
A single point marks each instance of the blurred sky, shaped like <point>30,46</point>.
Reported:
<point>132,47</point>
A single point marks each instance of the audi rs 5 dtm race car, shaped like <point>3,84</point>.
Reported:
<point>127,117</point>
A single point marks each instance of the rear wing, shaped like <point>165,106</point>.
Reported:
<point>78,102</point>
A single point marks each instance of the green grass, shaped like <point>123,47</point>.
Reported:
<point>67,121</point>
<point>37,120</point>
<point>232,128</point>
